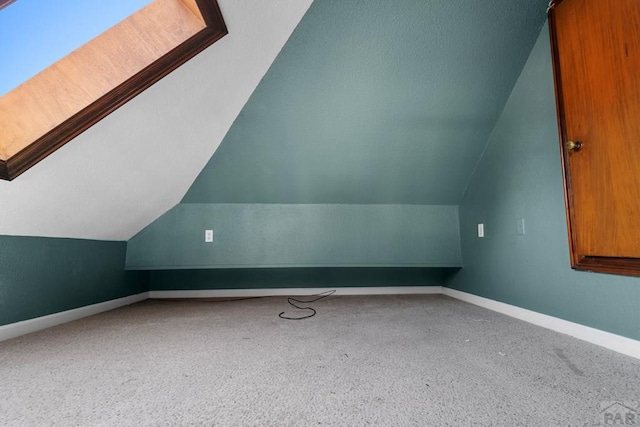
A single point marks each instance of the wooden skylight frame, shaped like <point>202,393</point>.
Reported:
<point>67,98</point>
<point>5,3</point>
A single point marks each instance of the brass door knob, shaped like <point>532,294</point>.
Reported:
<point>573,145</point>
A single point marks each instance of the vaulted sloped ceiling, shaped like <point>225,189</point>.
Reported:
<point>377,102</point>
<point>369,102</point>
<point>134,165</point>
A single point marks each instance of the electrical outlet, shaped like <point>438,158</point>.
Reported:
<point>480,230</point>
<point>520,226</point>
<point>208,236</point>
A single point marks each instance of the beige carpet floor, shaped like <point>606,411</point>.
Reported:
<point>383,360</point>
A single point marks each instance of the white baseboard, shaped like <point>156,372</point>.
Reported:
<point>608,340</point>
<point>17,329</point>
<point>247,293</point>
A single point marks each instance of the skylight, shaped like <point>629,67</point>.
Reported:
<point>34,34</point>
<point>64,99</point>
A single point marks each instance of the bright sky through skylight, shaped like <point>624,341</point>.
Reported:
<point>36,33</point>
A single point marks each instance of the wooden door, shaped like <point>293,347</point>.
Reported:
<point>596,52</point>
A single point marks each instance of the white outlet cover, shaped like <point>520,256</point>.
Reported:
<point>480,230</point>
<point>208,236</point>
<point>520,227</point>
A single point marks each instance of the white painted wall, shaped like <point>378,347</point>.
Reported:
<point>127,170</point>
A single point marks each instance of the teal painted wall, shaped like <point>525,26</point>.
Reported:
<point>266,235</point>
<point>519,176</point>
<point>265,278</point>
<point>375,102</point>
<point>40,276</point>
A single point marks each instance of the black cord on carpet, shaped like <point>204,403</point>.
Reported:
<point>292,302</point>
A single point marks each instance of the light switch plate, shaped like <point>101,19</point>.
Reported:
<point>480,230</point>
<point>520,227</point>
<point>208,236</point>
